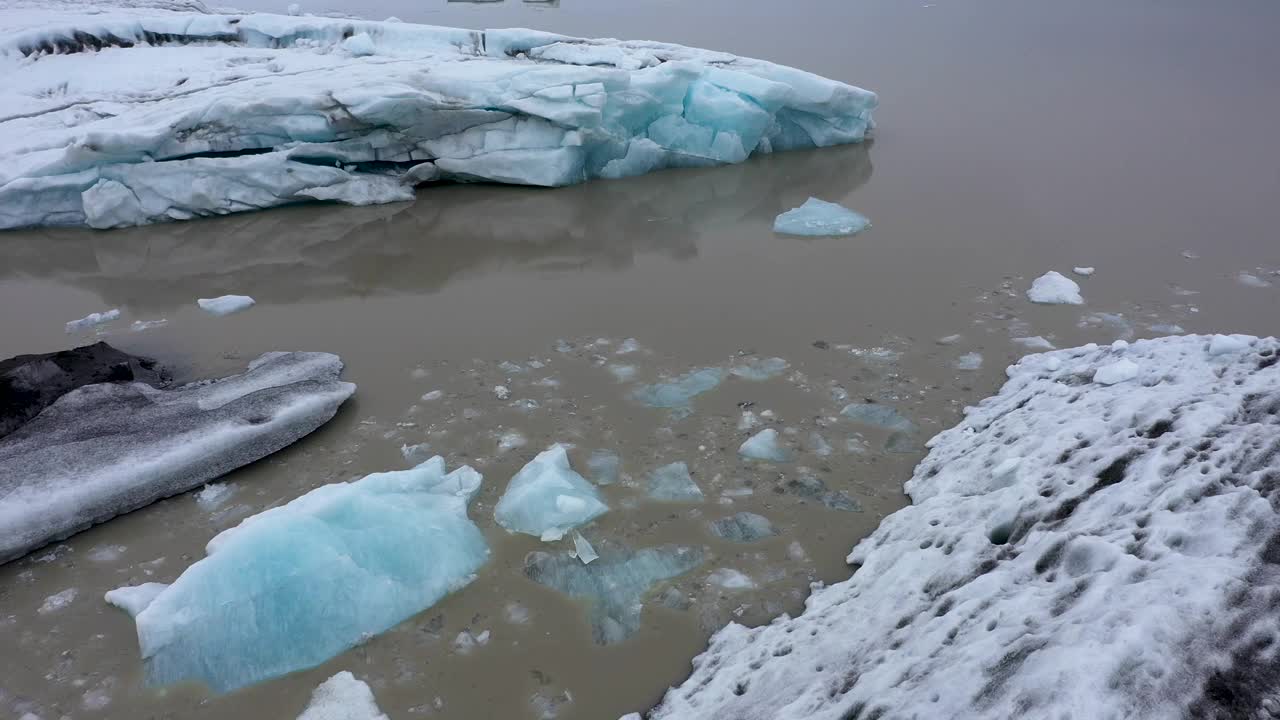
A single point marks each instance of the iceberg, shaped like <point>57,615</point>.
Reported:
<point>225,305</point>
<point>547,498</point>
<point>342,697</point>
<point>672,483</point>
<point>1054,288</point>
<point>743,527</point>
<point>615,584</point>
<point>877,415</point>
<point>1073,550</point>
<point>106,449</point>
<point>817,218</point>
<point>294,585</point>
<point>118,116</point>
<point>764,446</point>
<point>92,320</point>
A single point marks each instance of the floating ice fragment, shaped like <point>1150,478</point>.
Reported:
<point>1116,372</point>
<point>1054,288</point>
<point>502,392</point>
<point>583,549</point>
<point>878,415</point>
<point>516,614</point>
<point>743,527</point>
<point>214,494</point>
<point>135,598</point>
<point>141,325</point>
<point>295,585</point>
<point>1250,280</point>
<point>818,445</point>
<point>748,420</point>
<point>615,583</point>
<point>949,339</point>
<point>547,498</point>
<point>225,305</point>
<point>1035,342</point>
<point>764,446</point>
<point>510,368</point>
<point>730,579</point>
<point>758,369</point>
<point>820,218</point>
<point>466,641</point>
<point>341,697</point>
<point>1115,321</point>
<point>57,601</point>
<point>1167,329</point>
<point>623,373</point>
<point>511,440</point>
<point>628,346</point>
<point>1228,344</point>
<point>92,320</point>
<point>969,361</point>
<point>672,483</point>
<point>677,394</point>
<point>806,485</point>
<point>433,395</point>
<point>604,466</point>
<point>1085,271</point>
<point>900,442</point>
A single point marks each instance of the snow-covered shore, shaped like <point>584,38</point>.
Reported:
<point>123,115</point>
<point>1075,549</point>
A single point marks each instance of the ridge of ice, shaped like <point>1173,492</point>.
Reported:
<point>547,499</point>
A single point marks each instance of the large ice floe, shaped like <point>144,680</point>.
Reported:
<point>116,116</point>
<point>109,448</point>
<point>292,586</point>
<point>1076,550</point>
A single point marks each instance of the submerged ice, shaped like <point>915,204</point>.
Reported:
<point>547,498</point>
<point>125,116</point>
<point>292,586</point>
<point>679,393</point>
<point>672,483</point>
<point>819,217</point>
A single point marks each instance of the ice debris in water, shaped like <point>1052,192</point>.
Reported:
<point>818,218</point>
<point>679,393</point>
<point>1054,288</point>
<point>1035,342</point>
<point>515,613</point>
<point>730,579</point>
<point>226,304</point>
<point>764,446</point>
<point>583,549</point>
<point>93,320</point>
<point>511,440</point>
<point>466,641</point>
<point>743,527</point>
<point>1085,271</point>
<point>614,584</point>
<point>213,495</point>
<point>604,466</point>
<point>547,498</point>
<point>949,339</point>
<point>1167,329</point>
<point>1137,534</point>
<point>672,483</point>
<point>623,373</point>
<point>502,392</point>
<point>758,369</point>
<point>969,361</point>
<point>342,697</point>
<point>818,445</point>
<point>135,598</point>
<point>878,415</point>
<point>254,125</point>
<point>628,346</point>
<point>57,601</point>
<point>1117,322</point>
<point>142,325</point>
<point>1250,280</point>
<point>295,585</point>
<point>748,420</point>
<point>806,485</point>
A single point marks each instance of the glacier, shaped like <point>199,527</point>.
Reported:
<point>118,115</point>
<point>106,449</point>
<point>294,585</point>
<point>547,498</point>
<point>1074,550</point>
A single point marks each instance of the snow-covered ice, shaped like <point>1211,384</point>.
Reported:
<point>615,583</point>
<point>224,304</point>
<point>1054,288</point>
<point>342,697</point>
<point>764,446</point>
<point>1229,344</point>
<point>672,483</point>
<point>294,585</point>
<point>110,448</point>
<point>820,218</point>
<point>743,527</point>
<point>547,498</point>
<point>502,392</point>
<point>1124,567</point>
<point>93,320</point>
<point>119,116</point>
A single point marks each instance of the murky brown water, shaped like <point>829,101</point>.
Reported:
<point>1015,137</point>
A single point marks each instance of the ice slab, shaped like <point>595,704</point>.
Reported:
<point>819,217</point>
<point>93,320</point>
<point>678,394</point>
<point>764,446</point>
<point>1122,568</point>
<point>743,527</point>
<point>604,466</point>
<point>106,449</point>
<point>225,304</point>
<point>615,584</point>
<point>1054,288</point>
<point>878,415</point>
<point>1085,271</point>
<point>119,116</point>
<point>547,498</point>
<point>292,586</point>
<point>342,697</point>
<point>759,369</point>
<point>672,483</point>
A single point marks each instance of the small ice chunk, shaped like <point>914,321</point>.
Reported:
<point>502,392</point>
<point>510,368</point>
<point>678,393</point>
<point>1250,280</point>
<point>141,325</point>
<point>516,614</point>
<point>805,485</point>
<point>1227,344</point>
<point>359,45</point>
<point>420,373</point>
<point>1054,288</point>
<point>969,361</point>
<point>881,416</point>
<point>213,495</point>
<point>743,527</point>
<point>623,373</point>
<point>547,498</point>
<point>900,442</point>
<point>672,483</point>
<point>796,552</point>
<point>818,445</point>
<point>341,697</point>
<point>748,420</point>
<point>106,553</point>
<point>1116,372</point>
<point>225,305</point>
<point>820,218</point>
<point>764,446</point>
<point>1035,342</point>
<point>583,549</point>
<point>1167,329</point>
<point>466,641</point>
<point>627,346</point>
<point>604,466</point>
<point>1085,271</point>
<point>730,579</point>
<point>93,320</point>
<point>58,601</point>
<point>416,453</point>
<point>134,599</point>
<point>1115,321</point>
<point>511,440</point>
<point>432,396</point>
<point>758,369</point>
<point>949,339</point>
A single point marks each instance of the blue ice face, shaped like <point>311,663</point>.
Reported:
<point>818,217</point>
<point>293,586</point>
